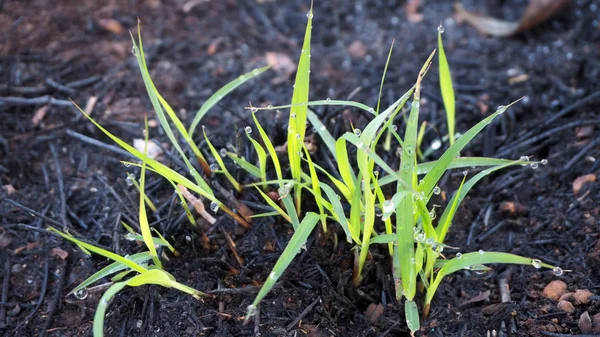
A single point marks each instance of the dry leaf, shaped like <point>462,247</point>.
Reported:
<point>197,204</point>
<point>63,254</point>
<point>536,12</point>
<point>39,115</point>
<point>153,151</point>
<point>582,180</point>
<point>281,63</point>
<point>112,25</point>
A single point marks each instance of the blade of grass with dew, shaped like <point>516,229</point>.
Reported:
<point>219,160</point>
<point>262,157</point>
<point>381,199</point>
<point>338,184</point>
<point>291,250</point>
<point>100,251</point>
<point>111,269</point>
<point>471,259</point>
<point>152,94</point>
<point>404,218</point>
<point>344,167</point>
<point>297,120</point>
<point>339,212</point>
<point>224,91</point>
<point>433,176</point>
<point>157,241</point>
<point>356,209</point>
<point>420,139</point>
<point>265,215</point>
<point>446,86</point>
<point>387,63</point>
<point>269,146</point>
<point>288,203</point>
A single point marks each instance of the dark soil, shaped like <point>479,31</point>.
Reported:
<point>71,49</point>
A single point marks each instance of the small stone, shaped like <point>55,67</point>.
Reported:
<point>554,290</point>
<point>582,296</point>
<point>357,49</point>
<point>566,306</point>
<point>585,323</point>
<point>582,180</point>
<point>567,297</point>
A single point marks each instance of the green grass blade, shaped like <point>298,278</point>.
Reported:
<point>100,251</point>
<point>411,312</point>
<point>338,184</point>
<point>288,203</point>
<point>224,91</point>
<point>98,327</point>
<point>291,250</point>
<point>111,269</point>
<point>153,95</point>
<point>356,209</point>
<point>446,87</point>
<point>463,162</point>
<point>143,216</point>
<point>269,146</point>
<point>344,166</point>
<point>327,138</point>
<point>262,156</point>
<point>332,102</point>
<point>274,205</point>
<point>315,187</point>
<point>131,177</point>
<point>387,62</point>
<point>297,121</point>
<point>339,213</point>
<point>241,162</point>
<point>219,160</point>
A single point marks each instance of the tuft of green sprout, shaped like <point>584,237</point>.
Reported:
<point>414,237</point>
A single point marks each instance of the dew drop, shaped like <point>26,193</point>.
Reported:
<point>388,206</point>
<point>432,214</point>
<point>127,164</point>
<point>544,161</point>
<point>357,132</point>
<point>376,173</point>
<point>501,107</point>
<point>129,180</point>
<point>214,206</point>
<point>214,167</point>
<point>269,106</point>
<point>395,128</point>
<point>441,29</point>
<point>309,14</point>
<point>537,264</point>
<point>81,294</point>
<point>429,241</point>
<point>134,50</point>
<point>524,158</point>
<point>328,100</point>
<point>534,165</point>
<point>378,212</point>
<point>371,110</point>
<point>251,309</point>
<point>437,190</point>
<point>557,271</point>
<point>359,145</point>
<point>130,237</point>
<point>293,115</point>
<point>322,128</point>
<point>421,237</point>
<point>436,144</point>
<point>481,251</point>
<point>248,129</point>
<point>458,256</point>
<point>273,275</point>
<point>223,152</point>
<point>297,136</point>
<point>415,104</point>
<point>253,109</point>
<point>255,71</point>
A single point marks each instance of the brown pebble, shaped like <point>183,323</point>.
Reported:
<point>567,297</point>
<point>585,323</point>
<point>554,290</point>
<point>596,319</point>
<point>582,180</point>
<point>582,296</point>
<point>566,306</point>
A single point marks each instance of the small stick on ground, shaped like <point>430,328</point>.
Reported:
<point>503,281</point>
<point>302,314</point>
<point>197,204</point>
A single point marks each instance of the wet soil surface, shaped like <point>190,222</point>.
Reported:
<point>51,51</point>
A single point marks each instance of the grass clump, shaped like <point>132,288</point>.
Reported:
<point>413,236</point>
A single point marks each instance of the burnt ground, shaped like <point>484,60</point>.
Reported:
<point>51,51</point>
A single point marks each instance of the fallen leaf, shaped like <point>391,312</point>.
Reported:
<point>197,204</point>
<point>63,254</point>
<point>153,151</point>
<point>112,25</point>
<point>536,12</point>
<point>513,208</point>
<point>10,189</point>
<point>39,115</point>
<point>582,180</point>
<point>281,63</point>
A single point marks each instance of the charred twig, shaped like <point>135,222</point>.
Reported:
<point>503,281</point>
<point>302,314</point>
<point>83,82</point>
<point>32,212</point>
<point>43,290</point>
<point>554,334</point>
<point>61,186</point>
<point>576,158</point>
<point>4,297</point>
<point>94,142</point>
<point>492,230</point>
<point>23,90</point>
<point>53,305</point>
<point>21,101</point>
<point>60,87</point>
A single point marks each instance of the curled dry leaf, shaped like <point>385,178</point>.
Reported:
<point>536,12</point>
<point>112,25</point>
<point>582,180</point>
<point>197,204</point>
